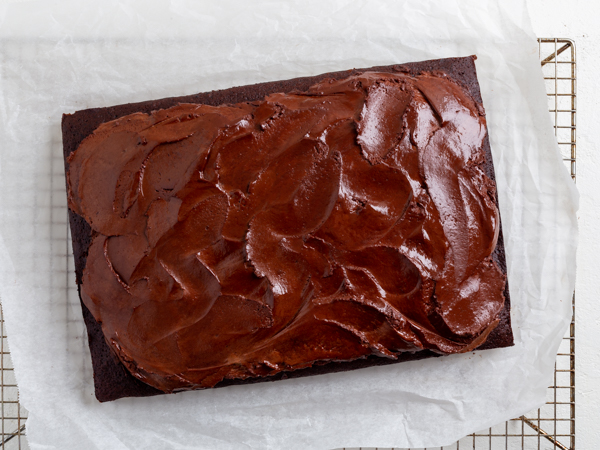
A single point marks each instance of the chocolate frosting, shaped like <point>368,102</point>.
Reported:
<point>239,241</point>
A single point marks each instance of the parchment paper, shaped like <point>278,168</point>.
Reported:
<point>62,56</point>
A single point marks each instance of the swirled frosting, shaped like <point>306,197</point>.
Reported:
<point>243,240</point>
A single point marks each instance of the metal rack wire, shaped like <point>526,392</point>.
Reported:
<point>13,414</point>
<point>550,427</point>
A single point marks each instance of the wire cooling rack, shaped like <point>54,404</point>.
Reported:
<point>550,427</point>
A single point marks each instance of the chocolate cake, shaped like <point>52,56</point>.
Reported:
<point>286,229</point>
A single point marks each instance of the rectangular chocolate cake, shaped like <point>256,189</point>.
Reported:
<point>286,229</point>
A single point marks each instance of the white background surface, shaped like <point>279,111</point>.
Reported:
<point>579,21</point>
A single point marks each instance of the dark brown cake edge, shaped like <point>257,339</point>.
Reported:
<point>111,380</point>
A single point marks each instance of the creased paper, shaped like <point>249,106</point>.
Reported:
<point>59,57</point>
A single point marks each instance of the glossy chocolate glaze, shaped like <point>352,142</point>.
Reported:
<point>245,240</point>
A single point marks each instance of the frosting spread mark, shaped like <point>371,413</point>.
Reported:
<point>243,240</point>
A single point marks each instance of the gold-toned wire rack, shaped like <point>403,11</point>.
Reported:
<point>548,428</point>
<point>552,427</point>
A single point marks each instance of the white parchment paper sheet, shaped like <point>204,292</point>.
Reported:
<point>62,56</point>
